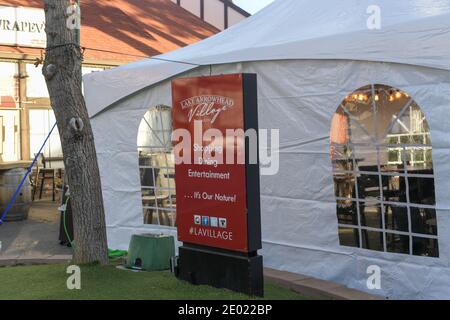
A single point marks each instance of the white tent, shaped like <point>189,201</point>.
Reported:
<point>309,56</point>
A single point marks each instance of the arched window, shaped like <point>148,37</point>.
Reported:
<point>156,164</point>
<point>383,173</point>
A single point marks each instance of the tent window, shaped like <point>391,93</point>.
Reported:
<point>156,165</point>
<point>381,154</point>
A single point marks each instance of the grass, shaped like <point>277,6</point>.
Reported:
<point>109,283</point>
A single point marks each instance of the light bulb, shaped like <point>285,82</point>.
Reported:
<point>398,95</point>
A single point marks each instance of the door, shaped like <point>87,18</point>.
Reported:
<point>9,122</point>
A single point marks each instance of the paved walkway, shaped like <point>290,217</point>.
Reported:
<point>316,288</point>
<point>34,240</point>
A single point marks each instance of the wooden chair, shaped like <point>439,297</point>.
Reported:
<point>43,176</point>
<point>34,175</point>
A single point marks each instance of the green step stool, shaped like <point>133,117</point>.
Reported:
<point>150,252</point>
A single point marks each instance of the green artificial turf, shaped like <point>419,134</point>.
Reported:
<point>110,283</point>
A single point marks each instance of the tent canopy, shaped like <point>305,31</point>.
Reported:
<point>415,32</point>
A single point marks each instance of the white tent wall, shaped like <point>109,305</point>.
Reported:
<point>299,223</point>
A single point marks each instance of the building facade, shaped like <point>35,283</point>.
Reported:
<point>220,13</point>
<point>112,33</point>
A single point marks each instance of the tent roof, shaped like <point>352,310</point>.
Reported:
<point>415,32</point>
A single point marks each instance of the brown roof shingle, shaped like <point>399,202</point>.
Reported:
<point>129,28</point>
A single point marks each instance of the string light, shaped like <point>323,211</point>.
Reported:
<point>392,95</point>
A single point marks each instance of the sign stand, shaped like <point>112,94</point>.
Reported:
<point>230,270</point>
<point>218,204</point>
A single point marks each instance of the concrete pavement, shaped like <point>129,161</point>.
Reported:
<point>34,240</point>
<point>316,288</point>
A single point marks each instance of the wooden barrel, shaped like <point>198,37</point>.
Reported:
<point>9,181</point>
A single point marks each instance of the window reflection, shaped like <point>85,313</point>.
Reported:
<point>369,186</point>
<point>342,157</point>
<point>421,190</point>
<point>157,168</point>
<point>348,237</point>
<point>425,247</point>
<point>397,243</point>
<point>370,214</point>
<point>394,188</point>
<point>339,128</point>
<point>391,103</point>
<point>423,221</point>
<point>419,160</point>
<point>344,185</point>
<point>396,218</point>
<point>366,158</point>
<point>359,108</point>
<point>392,159</point>
<point>372,240</point>
<point>381,154</point>
<point>347,212</point>
<point>410,122</point>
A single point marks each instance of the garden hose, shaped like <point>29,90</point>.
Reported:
<point>64,223</point>
<point>112,254</point>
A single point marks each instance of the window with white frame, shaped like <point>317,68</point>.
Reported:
<point>383,173</point>
<point>9,112</point>
<point>157,167</point>
<point>36,85</point>
<point>9,84</point>
<point>41,122</point>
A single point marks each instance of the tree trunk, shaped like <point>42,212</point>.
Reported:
<point>62,71</point>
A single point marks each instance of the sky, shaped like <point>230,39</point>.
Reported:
<point>252,6</point>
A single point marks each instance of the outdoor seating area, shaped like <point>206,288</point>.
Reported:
<point>34,234</point>
<point>45,179</point>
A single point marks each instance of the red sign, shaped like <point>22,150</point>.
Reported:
<point>211,182</point>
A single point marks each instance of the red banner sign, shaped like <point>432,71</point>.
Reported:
<point>211,181</point>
